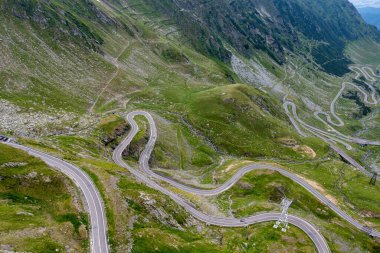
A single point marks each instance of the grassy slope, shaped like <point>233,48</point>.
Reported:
<point>242,121</point>
<point>53,222</point>
<point>364,52</point>
<point>147,215</point>
<point>264,195</point>
<point>263,191</point>
<point>168,79</point>
<point>68,73</point>
<point>258,192</point>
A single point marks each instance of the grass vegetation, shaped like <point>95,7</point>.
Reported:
<point>176,232</point>
<point>206,122</point>
<point>41,210</point>
<point>263,191</point>
<point>131,202</point>
<point>350,188</point>
<point>365,52</point>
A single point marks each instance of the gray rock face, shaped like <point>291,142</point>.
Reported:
<point>34,124</point>
<point>25,213</point>
<point>12,165</point>
<point>159,212</point>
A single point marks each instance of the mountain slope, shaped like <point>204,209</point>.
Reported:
<point>33,220</point>
<point>48,54</point>
<point>70,70</point>
<point>272,26</point>
<point>76,74</point>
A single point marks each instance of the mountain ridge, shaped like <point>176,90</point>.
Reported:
<point>272,26</point>
<point>218,78</point>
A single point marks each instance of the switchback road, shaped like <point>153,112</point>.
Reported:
<point>333,133</point>
<point>145,175</point>
<point>333,136</point>
<point>144,167</point>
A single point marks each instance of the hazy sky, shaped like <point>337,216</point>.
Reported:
<point>366,3</point>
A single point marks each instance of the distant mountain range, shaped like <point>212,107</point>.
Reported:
<point>366,3</point>
<point>371,15</point>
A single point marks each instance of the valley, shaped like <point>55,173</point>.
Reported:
<point>187,123</point>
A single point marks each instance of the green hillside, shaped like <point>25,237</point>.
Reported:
<point>40,209</point>
<point>214,75</point>
<point>271,26</point>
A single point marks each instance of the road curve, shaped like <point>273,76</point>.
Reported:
<point>367,98</point>
<point>328,139</point>
<point>334,136</point>
<point>368,69</point>
<point>332,105</point>
<point>144,166</point>
<point>309,229</point>
<point>94,202</point>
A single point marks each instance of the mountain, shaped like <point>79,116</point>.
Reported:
<point>371,15</point>
<point>274,26</point>
<point>215,76</point>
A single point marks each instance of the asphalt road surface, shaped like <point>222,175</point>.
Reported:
<point>95,205</point>
<point>333,134</point>
<point>4,139</point>
<point>94,202</point>
<point>144,175</point>
<point>144,166</point>
<point>331,141</point>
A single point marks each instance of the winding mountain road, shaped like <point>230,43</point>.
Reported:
<point>146,175</point>
<point>334,136</point>
<point>372,101</point>
<point>94,203</point>
<point>146,154</point>
<point>328,139</point>
<point>333,133</point>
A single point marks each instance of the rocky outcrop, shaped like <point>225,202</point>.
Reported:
<point>18,122</point>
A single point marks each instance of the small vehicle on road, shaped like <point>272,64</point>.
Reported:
<point>3,139</point>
